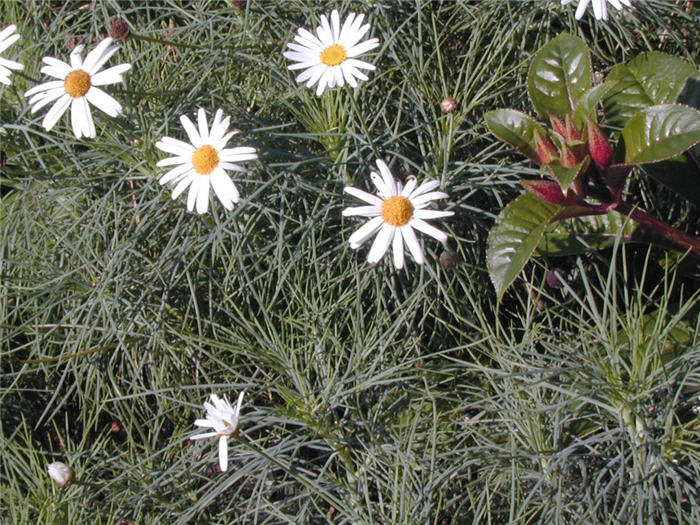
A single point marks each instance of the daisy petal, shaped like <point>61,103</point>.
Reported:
<point>223,453</point>
<point>381,243</point>
<point>412,242</point>
<point>365,232</point>
<point>426,228</point>
<point>397,249</point>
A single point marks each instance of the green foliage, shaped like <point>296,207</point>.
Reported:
<point>372,396</point>
<point>559,85</point>
<point>560,73</point>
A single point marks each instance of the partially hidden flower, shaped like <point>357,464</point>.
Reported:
<point>329,58</point>
<point>78,87</point>
<point>7,38</point>
<point>204,162</point>
<point>394,214</point>
<point>61,473</point>
<point>600,8</point>
<point>224,419</point>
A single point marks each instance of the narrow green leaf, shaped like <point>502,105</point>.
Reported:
<point>660,132</point>
<point>514,237</point>
<point>584,234</point>
<point>515,128</point>
<point>647,80</point>
<point>559,75</point>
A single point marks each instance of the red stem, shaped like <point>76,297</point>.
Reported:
<point>669,232</point>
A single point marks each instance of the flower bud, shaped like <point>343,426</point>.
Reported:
<point>119,29</point>
<point>570,132</point>
<point>598,146</point>
<point>557,124</point>
<point>449,258</point>
<point>545,149</point>
<point>448,105</point>
<point>566,157</point>
<point>61,473</point>
<point>239,4</point>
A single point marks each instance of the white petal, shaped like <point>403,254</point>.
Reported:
<point>39,101</point>
<point>75,61</point>
<point>172,161</point>
<point>380,184</point>
<point>365,232</point>
<point>175,146</point>
<point>56,111</point>
<point>94,55</point>
<point>205,435</point>
<point>224,188</point>
<point>410,184</point>
<point>397,249</point>
<point>175,173</point>
<point>423,200</point>
<point>192,194</point>
<point>203,423</point>
<point>182,186</point>
<point>75,118</point>
<point>223,453</point>
<point>360,64</point>
<point>86,119</point>
<point>237,411</point>
<point>362,48</point>
<point>410,237</point>
<point>191,131</point>
<point>363,195</point>
<point>387,176</point>
<point>203,195</point>
<point>11,64</point>
<point>56,68</point>
<point>103,101</point>
<point>381,243</point>
<point>46,86</point>
<point>113,75</point>
<point>362,211</point>
<point>426,228</point>
<point>432,214</point>
<point>202,125</point>
<point>424,188</point>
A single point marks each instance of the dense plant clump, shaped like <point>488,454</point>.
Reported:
<point>348,254</point>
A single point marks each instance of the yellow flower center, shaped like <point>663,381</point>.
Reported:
<point>333,55</point>
<point>205,159</point>
<point>77,83</point>
<point>397,210</point>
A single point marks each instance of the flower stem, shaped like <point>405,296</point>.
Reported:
<point>687,241</point>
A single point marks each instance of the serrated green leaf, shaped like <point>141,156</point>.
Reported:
<point>514,237</point>
<point>649,79</point>
<point>585,107</point>
<point>585,234</point>
<point>565,176</point>
<point>660,132</point>
<point>559,75</point>
<point>515,128</point>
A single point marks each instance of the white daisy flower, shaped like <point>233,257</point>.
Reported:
<point>600,8</point>
<point>7,38</point>
<point>224,420</point>
<point>395,213</point>
<point>77,85</point>
<point>204,162</point>
<point>329,58</point>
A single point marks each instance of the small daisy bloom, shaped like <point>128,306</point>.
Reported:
<point>394,214</point>
<point>224,420</point>
<point>77,85</point>
<point>204,162</point>
<point>7,38</point>
<point>600,8</point>
<point>329,58</point>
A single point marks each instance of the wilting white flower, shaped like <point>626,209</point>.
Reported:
<point>600,8</point>
<point>394,214</point>
<point>60,473</point>
<point>204,162</point>
<point>7,38</point>
<point>77,85</point>
<point>224,420</point>
<point>329,57</point>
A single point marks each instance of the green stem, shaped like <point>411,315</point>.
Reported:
<point>688,242</point>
